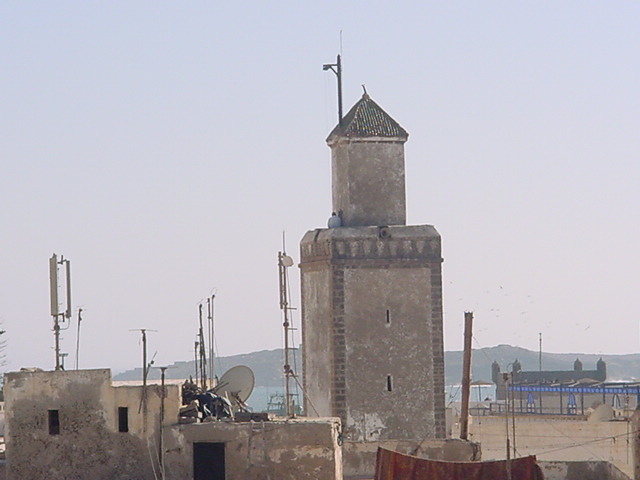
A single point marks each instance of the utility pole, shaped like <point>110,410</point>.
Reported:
<point>466,375</point>
<point>337,69</point>
<point>506,377</point>
<point>635,420</point>
<point>513,415</point>
<point>163,394</point>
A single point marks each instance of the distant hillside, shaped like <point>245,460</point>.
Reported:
<point>619,367</point>
<point>267,364</point>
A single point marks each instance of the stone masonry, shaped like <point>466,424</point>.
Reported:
<point>372,295</point>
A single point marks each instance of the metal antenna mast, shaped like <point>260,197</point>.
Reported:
<point>284,261</point>
<point>78,338</point>
<point>195,350</point>
<point>57,315</point>
<point>202,352</point>
<point>145,373</point>
<point>337,69</point>
<point>540,352</point>
<point>211,339</point>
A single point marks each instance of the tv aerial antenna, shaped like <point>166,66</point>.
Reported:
<point>58,315</point>
<point>284,262</point>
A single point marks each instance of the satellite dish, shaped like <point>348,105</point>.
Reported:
<point>287,261</point>
<point>236,384</point>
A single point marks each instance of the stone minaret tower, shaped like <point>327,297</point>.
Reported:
<point>372,294</point>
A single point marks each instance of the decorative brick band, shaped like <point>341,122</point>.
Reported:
<point>370,248</point>
<point>339,345</point>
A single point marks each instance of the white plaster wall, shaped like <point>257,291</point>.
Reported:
<point>297,449</point>
<point>552,438</point>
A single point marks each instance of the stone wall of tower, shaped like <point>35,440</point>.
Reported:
<point>372,330</point>
<point>368,184</point>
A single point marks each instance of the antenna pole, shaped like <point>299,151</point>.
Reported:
<point>540,351</point>
<point>56,335</point>
<point>195,351</point>
<point>202,352</point>
<point>78,338</point>
<point>145,372</point>
<point>55,307</point>
<point>143,402</point>
<point>211,333</point>
<point>339,66</point>
<point>284,306</point>
<point>466,375</point>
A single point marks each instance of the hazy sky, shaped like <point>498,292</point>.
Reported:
<point>164,146</point>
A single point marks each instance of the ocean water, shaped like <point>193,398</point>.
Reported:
<point>478,393</point>
<point>259,399</point>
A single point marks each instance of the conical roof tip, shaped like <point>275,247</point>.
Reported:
<point>367,119</point>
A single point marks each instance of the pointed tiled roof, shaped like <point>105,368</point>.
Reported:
<point>367,119</point>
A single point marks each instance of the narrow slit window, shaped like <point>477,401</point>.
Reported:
<point>123,419</point>
<point>54,422</point>
<point>388,317</point>
<point>389,383</point>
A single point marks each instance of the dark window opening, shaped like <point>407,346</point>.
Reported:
<point>388,317</point>
<point>389,383</point>
<point>208,461</point>
<point>123,419</point>
<point>54,422</point>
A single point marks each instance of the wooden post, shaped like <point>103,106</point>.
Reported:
<point>507,378</point>
<point>635,425</point>
<point>466,376</point>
